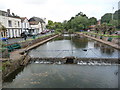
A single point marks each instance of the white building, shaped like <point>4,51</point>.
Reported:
<point>25,24</point>
<point>37,25</point>
<point>12,24</point>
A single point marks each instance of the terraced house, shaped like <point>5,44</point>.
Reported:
<point>25,24</point>
<point>12,23</point>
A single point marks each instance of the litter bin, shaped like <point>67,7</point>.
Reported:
<point>34,36</point>
<point>4,39</point>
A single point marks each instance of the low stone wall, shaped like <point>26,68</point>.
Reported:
<point>4,53</point>
<point>114,40</point>
<point>10,66</point>
<point>31,42</point>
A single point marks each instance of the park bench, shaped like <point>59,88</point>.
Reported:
<point>101,37</point>
<point>109,39</point>
<point>9,48</point>
<point>13,47</point>
<point>16,46</point>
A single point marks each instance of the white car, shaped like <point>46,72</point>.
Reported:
<point>117,32</point>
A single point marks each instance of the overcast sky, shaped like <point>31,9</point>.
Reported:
<point>59,10</point>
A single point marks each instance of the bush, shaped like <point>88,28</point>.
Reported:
<point>70,31</point>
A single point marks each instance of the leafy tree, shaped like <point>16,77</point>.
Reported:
<point>106,18</point>
<point>114,22</point>
<point>2,28</point>
<point>50,25</point>
<point>92,21</point>
<point>79,22</point>
<point>70,31</point>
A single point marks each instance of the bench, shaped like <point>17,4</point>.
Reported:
<point>101,37</point>
<point>109,39</point>
<point>9,48</point>
<point>13,47</point>
<point>16,46</point>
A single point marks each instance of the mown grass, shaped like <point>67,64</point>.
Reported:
<point>105,35</point>
<point>37,38</point>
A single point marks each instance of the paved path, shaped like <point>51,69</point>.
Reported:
<point>14,40</point>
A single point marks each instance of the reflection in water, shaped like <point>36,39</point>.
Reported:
<point>13,75</point>
<point>104,48</point>
<point>40,74</point>
<point>65,76</point>
<point>67,45</point>
<point>80,43</point>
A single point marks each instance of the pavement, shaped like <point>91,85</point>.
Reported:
<point>15,40</point>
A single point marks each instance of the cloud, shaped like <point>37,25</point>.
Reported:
<point>59,10</point>
<point>35,2</point>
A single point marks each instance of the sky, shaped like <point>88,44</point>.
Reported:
<point>59,10</point>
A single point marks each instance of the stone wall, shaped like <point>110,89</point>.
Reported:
<point>114,40</point>
<point>32,42</point>
<point>10,66</point>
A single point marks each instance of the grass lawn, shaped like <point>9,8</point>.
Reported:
<point>106,35</point>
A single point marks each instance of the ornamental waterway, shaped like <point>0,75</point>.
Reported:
<point>42,74</point>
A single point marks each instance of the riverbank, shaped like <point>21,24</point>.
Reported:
<point>20,57</point>
<point>114,44</point>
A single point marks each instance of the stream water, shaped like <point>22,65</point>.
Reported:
<point>36,75</point>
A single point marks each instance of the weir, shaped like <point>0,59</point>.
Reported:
<point>75,60</point>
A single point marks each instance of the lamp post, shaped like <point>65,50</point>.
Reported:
<point>112,12</point>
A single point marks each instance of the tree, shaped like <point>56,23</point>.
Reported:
<point>92,21</point>
<point>114,22</point>
<point>2,28</point>
<point>50,25</point>
<point>79,22</point>
<point>106,18</point>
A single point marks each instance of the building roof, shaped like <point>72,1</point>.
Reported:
<point>7,14</point>
<point>3,13</point>
<point>37,19</point>
<point>22,18</point>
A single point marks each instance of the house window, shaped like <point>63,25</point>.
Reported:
<point>15,23</point>
<point>9,23</point>
<point>18,23</point>
<point>25,25</point>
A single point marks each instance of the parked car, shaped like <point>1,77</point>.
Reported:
<point>117,32</point>
<point>43,32</point>
<point>24,33</point>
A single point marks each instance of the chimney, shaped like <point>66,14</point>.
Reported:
<point>8,12</point>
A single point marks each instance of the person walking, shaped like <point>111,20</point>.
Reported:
<point>25,36</point>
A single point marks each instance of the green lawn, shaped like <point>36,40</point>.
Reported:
<point>106,35</point>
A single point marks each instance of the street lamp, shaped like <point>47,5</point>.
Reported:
<point>112,12</point>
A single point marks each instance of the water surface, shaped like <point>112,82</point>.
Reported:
<point>73,46</point>
<point>64,76</point>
